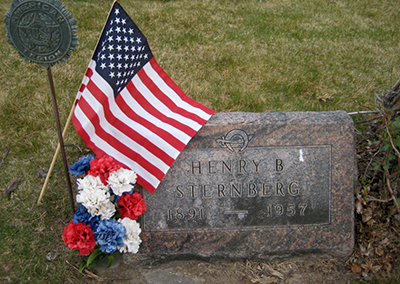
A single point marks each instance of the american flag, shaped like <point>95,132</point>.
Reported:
<point>129,108</point>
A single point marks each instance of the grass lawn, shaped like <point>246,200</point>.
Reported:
<point>253,56</point>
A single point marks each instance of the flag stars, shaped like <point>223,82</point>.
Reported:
<point>123,51</point>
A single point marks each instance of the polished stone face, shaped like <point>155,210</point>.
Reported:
<point>257,184</point>
<point>259,187</point>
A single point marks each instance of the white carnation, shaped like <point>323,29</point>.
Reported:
<point>90,182</point>
<point>106,210</point>
<point>132,240</point>
<point>95,197</point>
<point>122,180</point>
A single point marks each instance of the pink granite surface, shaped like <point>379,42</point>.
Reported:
<point>325,184</point>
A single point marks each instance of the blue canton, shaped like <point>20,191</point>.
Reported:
<point>122,51</point>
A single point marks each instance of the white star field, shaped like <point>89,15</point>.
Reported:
<point>123,50</point>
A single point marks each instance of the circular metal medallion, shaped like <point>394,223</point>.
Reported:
<point>41,30</point>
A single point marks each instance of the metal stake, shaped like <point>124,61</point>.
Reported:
<point>60,137</point>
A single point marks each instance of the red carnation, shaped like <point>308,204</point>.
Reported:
<point>103,166</point>
<point>79,236</point>
<point>131,205</point>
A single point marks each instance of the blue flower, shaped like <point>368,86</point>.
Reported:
<point>81,166</point>
<point>83,216</point>
<point>109,235</point>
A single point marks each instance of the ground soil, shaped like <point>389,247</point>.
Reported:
<point>310,269</point>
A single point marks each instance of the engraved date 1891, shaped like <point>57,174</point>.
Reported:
<point>186,214</point>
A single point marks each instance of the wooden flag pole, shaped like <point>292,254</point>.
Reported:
<point>60,136</point>
<point>56,154</point>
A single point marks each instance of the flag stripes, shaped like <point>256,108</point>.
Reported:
<point>143,131</point>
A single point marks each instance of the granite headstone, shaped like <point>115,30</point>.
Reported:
<point>252,185</point>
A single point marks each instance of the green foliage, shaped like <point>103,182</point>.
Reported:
<point>389,142</point>
<point>365,187</point>
<point>94,258</point>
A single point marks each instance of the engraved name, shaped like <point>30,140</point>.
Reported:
<point>232,166</point>
<point>236,190</point>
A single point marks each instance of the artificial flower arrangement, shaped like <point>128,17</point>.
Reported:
<point>105,222</point>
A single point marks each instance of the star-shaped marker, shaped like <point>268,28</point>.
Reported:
<point>38,32</point>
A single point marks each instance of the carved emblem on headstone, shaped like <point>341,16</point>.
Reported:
<point>235,140</point>
<point>41,30</point>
